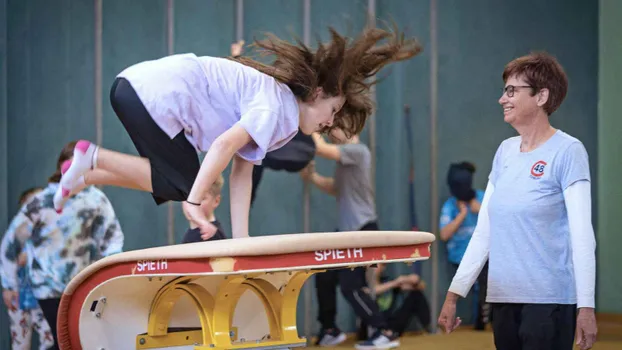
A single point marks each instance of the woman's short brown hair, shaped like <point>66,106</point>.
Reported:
<point>65,154</point>
<point>540,70</point>
<point>341,67</point>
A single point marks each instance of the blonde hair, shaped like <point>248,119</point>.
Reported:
<point>216,187</point>
<point>340,67</point>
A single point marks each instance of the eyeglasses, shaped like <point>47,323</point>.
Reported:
<point>509,90</point>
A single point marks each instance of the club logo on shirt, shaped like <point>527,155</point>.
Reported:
<point>537,170</point>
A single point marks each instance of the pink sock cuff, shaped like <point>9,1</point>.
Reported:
<point>83,146</point>
<point>65,166</point>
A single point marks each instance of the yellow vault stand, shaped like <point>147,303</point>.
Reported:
<point>216,313</point>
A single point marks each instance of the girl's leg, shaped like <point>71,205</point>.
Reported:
<point>104,177</point>
<point>94,165</point>
<point>122,170</point>
<point>127,170</point>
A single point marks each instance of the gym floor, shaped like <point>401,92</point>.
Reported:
<point>609,338</point>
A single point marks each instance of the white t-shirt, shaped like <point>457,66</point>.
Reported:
<point>205,96</point>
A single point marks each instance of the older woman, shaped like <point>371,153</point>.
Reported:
<point>534,224</point>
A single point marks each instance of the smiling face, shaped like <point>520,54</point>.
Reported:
<point>319,112</point>
<point>520,102</point>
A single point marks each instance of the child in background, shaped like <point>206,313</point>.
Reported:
<point>457,223</point>
<point>388,292</point>
<point>351,185</point>
<point>24,311</point>
<point>208,206</point>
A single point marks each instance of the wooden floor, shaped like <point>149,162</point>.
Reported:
<point>609,338</point>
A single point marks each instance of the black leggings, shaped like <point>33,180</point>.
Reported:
<point>352,283</point>
<point>49,307</point>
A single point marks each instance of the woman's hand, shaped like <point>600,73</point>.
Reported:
<point>447,320</point>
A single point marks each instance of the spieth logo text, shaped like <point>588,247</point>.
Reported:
<point>338,254</point>
<point>151,265</point>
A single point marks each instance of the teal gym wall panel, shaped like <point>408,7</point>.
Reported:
<point>476,40</point>
<point>204,28</point>
<point>49,69</point>
<point>51,74</point>
<point>346,16</point>
<point>405,83</point>
<point>133,31</point>
<point>3,114</point>
<point>609,193</point>
<point>4,215</point>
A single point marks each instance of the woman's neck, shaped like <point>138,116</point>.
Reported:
<point>535,134</point>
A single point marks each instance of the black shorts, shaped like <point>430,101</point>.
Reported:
<point>174,162</point>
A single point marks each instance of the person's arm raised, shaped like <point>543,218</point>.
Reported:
<point>324,149</point>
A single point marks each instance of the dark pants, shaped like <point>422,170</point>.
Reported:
<point>483,309</point>
<point>534,326</point>
<point>351,283</point>
<point>414,304</point>
<point>49,307</point>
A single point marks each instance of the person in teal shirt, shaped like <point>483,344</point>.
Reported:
<point>457,222</point>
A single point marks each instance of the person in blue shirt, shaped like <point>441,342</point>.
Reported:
<point>457,223</point>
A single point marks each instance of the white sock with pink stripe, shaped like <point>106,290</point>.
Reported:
<point>72,181</point>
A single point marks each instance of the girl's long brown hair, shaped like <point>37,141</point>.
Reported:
<point>340,67</point>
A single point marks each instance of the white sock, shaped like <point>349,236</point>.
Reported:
<point>84,159</point>
<point>61,197</point>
